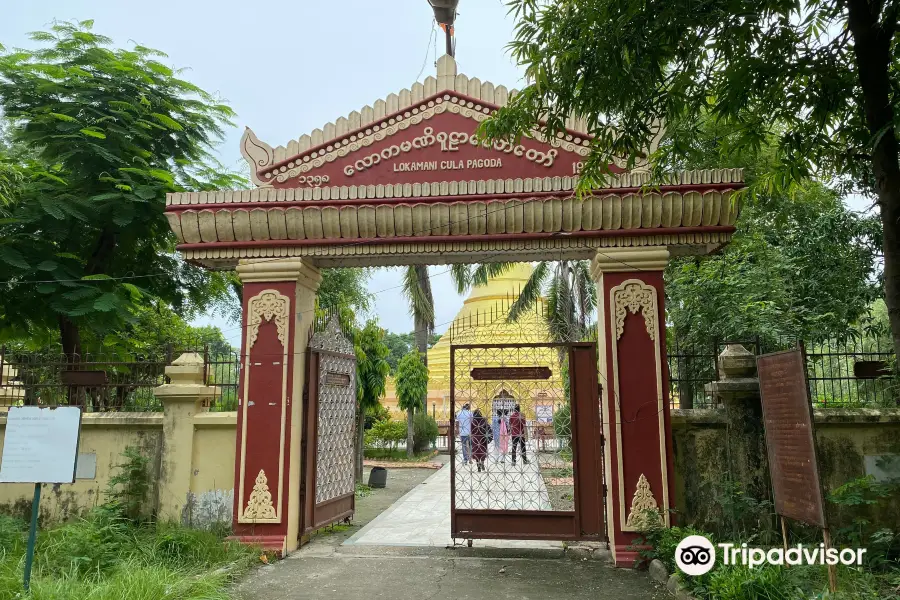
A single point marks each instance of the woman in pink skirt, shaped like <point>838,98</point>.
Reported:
<point>504,437</point>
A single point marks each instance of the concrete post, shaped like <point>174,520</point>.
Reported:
<point>11,392</point>
<point>738,390</point>
<point>181,400</point>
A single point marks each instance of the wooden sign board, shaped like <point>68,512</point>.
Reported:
<point>510,373</point>
<point>40,444</point>
<point>790,437</point>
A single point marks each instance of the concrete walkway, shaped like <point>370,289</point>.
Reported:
<point>422,518</point>
<point>325,569</point>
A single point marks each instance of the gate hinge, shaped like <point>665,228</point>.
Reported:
<point>600,388</point>
<point>604,489</point>
<point>602,439</point>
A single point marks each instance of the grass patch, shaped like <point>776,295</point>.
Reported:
<point>399,455</point>
<point>362,490</point>
<point>107,556</point>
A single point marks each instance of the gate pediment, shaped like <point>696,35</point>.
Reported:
<point>430,142</point>
<point>420,135</point>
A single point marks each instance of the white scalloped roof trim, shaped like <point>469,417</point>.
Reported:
<point>443,188</point>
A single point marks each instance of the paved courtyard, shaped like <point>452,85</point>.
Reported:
<point>376,563</point>
<point>422,516</point>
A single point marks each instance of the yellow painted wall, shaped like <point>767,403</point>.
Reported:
<point>107,435</point>
<point>104,434</point>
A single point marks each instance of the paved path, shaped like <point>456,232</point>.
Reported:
<point>502,485</point>
<point>422,518</point>
<point>326,570</point>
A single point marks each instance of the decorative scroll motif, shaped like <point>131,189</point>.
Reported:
<point>259,506</point>
<point>635,296</point>
<point>450,143</point>
<point>413,116</point>
<point>336,426</point>
<point>258,154</point>
<point>643,507</point>
<point>268,305</point>
<point>332,339</point>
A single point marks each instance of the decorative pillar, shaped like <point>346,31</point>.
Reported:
<point>635,399</point>
<point>12,393</point>
<point>181,400</point>
<point>278,303</point>
<point>738,391</point>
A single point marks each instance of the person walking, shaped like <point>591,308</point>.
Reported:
<point>495,429</point>
<point>517,432</point>
<point>481,431</point>
<point>464,424</point>
<point>504,436</point>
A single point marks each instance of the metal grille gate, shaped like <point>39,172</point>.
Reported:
<point>328,442</point>
<point>526,445</point>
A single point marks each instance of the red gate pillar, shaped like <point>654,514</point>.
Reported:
<point>278,303</point>
<point>634,375</point>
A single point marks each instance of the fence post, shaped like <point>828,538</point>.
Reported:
<point>11,392</point>
<point>181,399</point>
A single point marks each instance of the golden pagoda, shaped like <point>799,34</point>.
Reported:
<point>482,320</point>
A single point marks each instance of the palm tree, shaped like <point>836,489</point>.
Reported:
<point>566,284</point>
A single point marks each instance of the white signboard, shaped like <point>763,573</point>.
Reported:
<point>40,445</point>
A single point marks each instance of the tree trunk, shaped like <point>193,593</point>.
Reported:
<point>423,331</point>
<point>872,47</point>
<point>409,433</point>
<point>360,445</point>
<point>70,338</point>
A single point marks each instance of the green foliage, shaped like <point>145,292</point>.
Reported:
<point>562,423</point>
<point>129,484</point>
<point>663,541</point>
<point>412,381</point>
<point>856,502</point>
<point>799,266</point>
<point>741,583</point>
<point>372,367</point>
<point>97,137</point>
<point>400,344</point>
<point>733,514</point>
<point>570,294</point>
<point>425,431</point>
<point>345,287</point>
<point>385,434</point>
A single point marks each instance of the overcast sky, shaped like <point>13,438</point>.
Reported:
<point>289,67</point>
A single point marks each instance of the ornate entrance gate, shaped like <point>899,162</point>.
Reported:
<point>526,457</point>
<point>327,484</point>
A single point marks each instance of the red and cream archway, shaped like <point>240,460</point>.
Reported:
<point>405,182</point>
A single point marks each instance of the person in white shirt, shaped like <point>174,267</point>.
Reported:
<point>464,423</point>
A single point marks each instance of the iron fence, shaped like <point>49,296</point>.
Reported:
<point>107,381</point>
<point>857,372</point>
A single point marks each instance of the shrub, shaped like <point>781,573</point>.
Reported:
<point>12,533</point>
<point>129,485</point>
<point>562,424</point>
<point>742,583</point>
<point>385,434</point>
<point>425,431</point>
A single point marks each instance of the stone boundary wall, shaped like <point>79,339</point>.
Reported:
<point>852,442</point>
<point>190,451</point>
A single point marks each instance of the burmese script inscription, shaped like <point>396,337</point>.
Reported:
<point>790,437</point>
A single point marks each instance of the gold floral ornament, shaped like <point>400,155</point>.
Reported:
<point>644,509</point>
<point>268,305</point>
<point>259,506</point>
<point>635,296</point>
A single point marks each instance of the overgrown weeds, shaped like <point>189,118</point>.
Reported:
<point>117,552</point>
